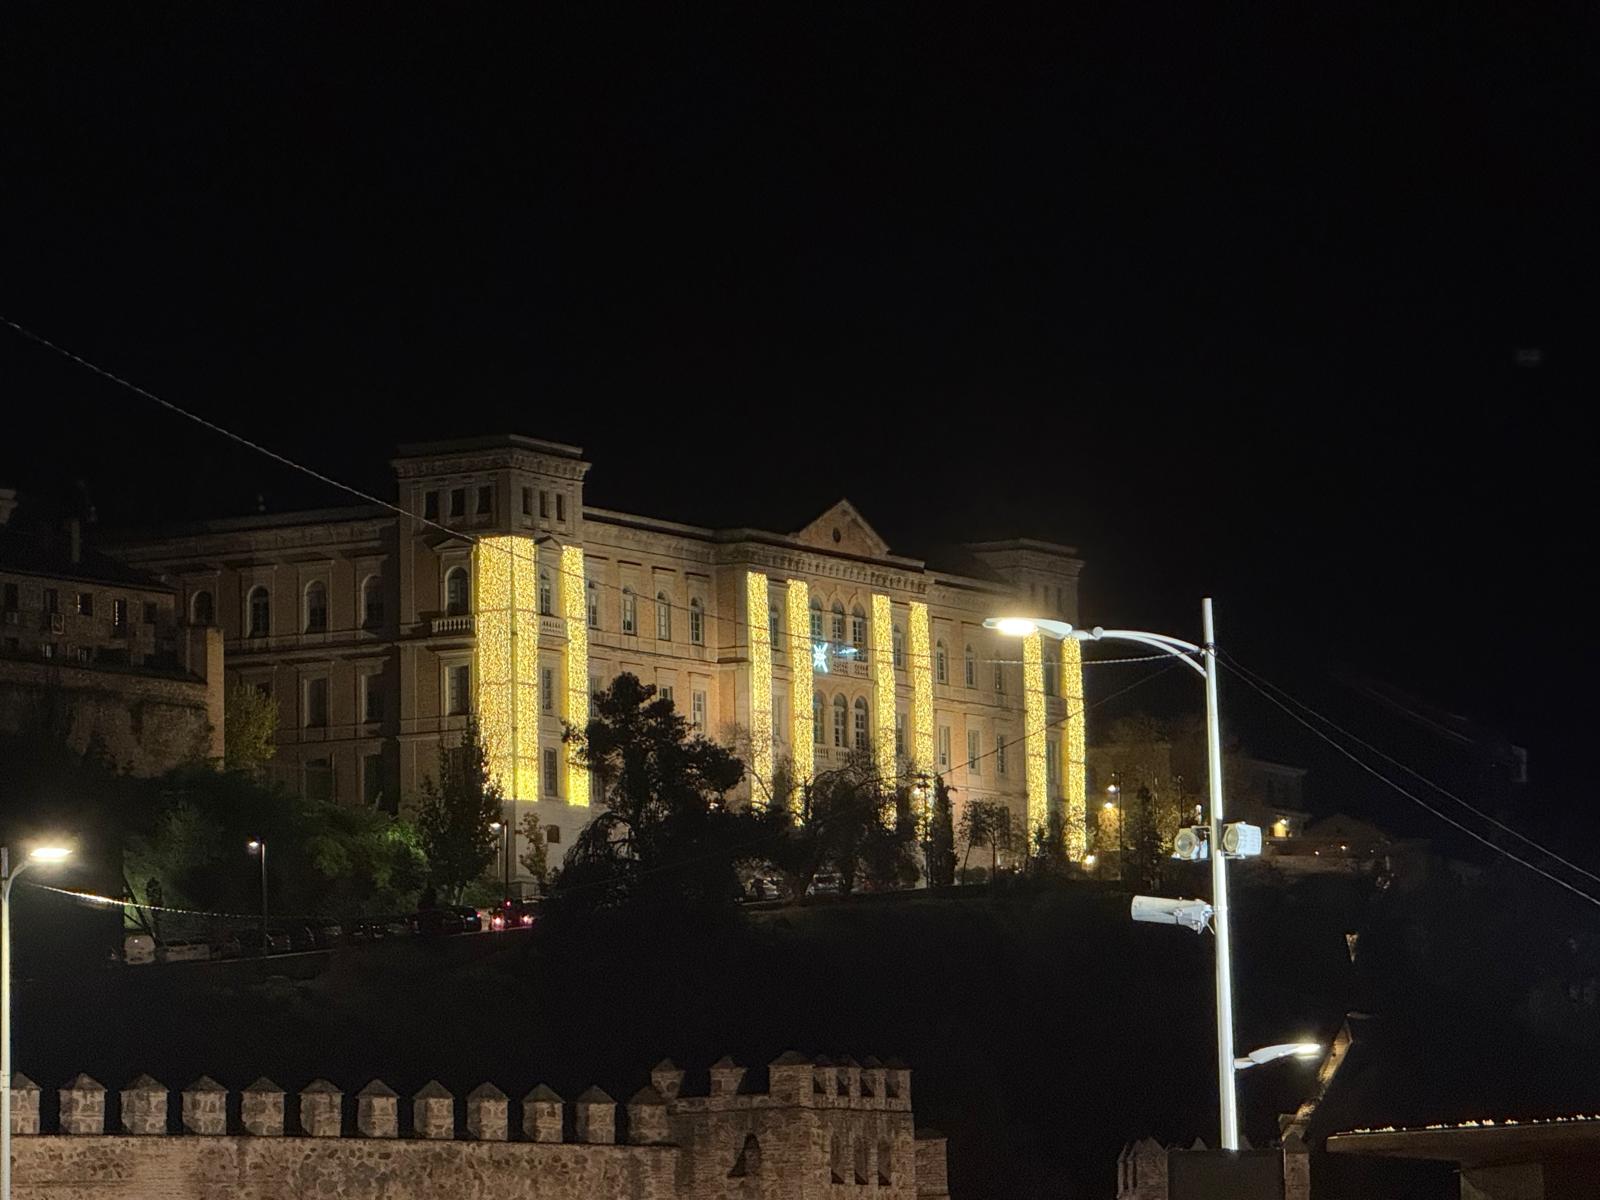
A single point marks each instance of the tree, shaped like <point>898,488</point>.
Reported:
<point>665,836</point>
<point>985,823</point>
<point>535,855</point>
<point>249,727</point>
<point>940,847</point>
<point>456,812</point>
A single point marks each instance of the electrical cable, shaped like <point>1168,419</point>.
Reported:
<point>1415,799</point>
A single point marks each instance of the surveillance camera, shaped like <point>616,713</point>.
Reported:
<point>1158,910</point>
<point>1241,840</point>
<point>1191,844</point>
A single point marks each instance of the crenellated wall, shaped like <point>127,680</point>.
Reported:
<point>817,1129</point>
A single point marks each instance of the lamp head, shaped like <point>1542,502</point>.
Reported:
<point>254,845</point>
<point>46,855</point>
<point>495,826</point>
<point>1013,626</point>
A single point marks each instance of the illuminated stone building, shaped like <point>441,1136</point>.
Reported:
<point>503,591</point>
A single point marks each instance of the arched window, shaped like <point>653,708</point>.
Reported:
<point>885,1163</point>
<point>899,649</point>
<point>748,1164</point>
<point>941,664</point>
<point>840,711</point>
<point>697,622</point>
<point>371,602</point>
<point>630,611</point>
<point>816,620</point>
<point>858,633</point>
<point>316,608</point>
<point>202,608</point>
<point>838,625</point>
<point>259,621</point>
<point>969,664</point>
<point>863,736</point>
<point>592,598</point>
<point>663,617</point>
<point>457,592</point>
<point>818,731</point>
<point>546,594</point>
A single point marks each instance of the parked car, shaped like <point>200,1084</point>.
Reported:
<point>513,914</point>
<point>183,952</point>
<point>471,918</point>
<point>825,884</point>
<point>326,934</point>
<point>138,948</point>
<point>433,922</point>
<point>227,946</point>
<point>372,930</point>
<point>300,936</point>
<point>277,941</point>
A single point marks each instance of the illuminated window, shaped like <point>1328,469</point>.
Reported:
<point>697,710</point>
<point>816,620</point>
<point>458,502</point>
<point>944,746</point>
<point>204,609</point>
<point>592,595</point>
<point>838,625</point>
<point>547,689</point>
<point>817,733</point>
<point>1000,756</point>
<point>260,623</point>
<point>371,602</point>
<point>430,506</point>
<point>485,500</point>
<point>630,611</point>
<point>457,592</point>
<point>552,772</point>
<point>840,711</point>
<point>974,750</point>
<point>119,617</point>
<point>561,506</point>
<point>858,633</point>
<point>999,678</point>
<point>458,690</point>
<point>316,711</point>
<point>941,664</point>
<point>969,668</point>
<point>863,738</point>
<point>546,594</point>
<point>899,649</point>
<point>697,622</point>
<point>663,617</point>
<point>316,608</point>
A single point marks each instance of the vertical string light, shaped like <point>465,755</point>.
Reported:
<point>760,633</point>
<point>1073,752</point>
<point>575,611</point>
<point>506,657</point>
<point>802,685</point>
<point>921,688</point>
<point>883,689</point>
<point>1034,733</point>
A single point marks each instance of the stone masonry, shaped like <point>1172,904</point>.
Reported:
<point>816,1129</point>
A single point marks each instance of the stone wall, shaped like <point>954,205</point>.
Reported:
<point>1142,1169</point>
<point>817,1129</point>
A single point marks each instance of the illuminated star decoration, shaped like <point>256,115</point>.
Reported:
<point>819,657</point>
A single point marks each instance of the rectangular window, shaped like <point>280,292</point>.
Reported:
<point>552,835</point>
<point>1000,756</point>
<point>594,696</point>
<point>552,773</point>
<point>319,779</point>
<point>974,751</point>
<point>544,504</point>
<point>485,500</point>
<point>697,623</point>
<point>665,692</point>
<point>547,689</point>
<point>944,746</point>
<point>372,780</point>
<point>999,679</point>
<point>86,604</point>
<point>593,594</point>
<point>372,698</point>
<point>119,617</point>
<point>561,506</point>
<point>12,599</point>
<point>430,506</point>
<point>458,502</point>
<point>1050,678</point>
<point>697,710</point>
<point>458,689</point>
<point>527,502</point>
<point>149,612</point>
<point>630,611</point>
<point>52,600</point>
<point>316,704</point>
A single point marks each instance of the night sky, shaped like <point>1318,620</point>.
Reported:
<point>1290,306</point>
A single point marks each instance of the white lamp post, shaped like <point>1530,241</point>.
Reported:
<point>1206,668</point>
<point>44,856</point>
<point>258,847</point>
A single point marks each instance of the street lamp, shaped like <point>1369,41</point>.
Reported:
<point>1114,790</point>
<point>503,829</point>
<point>1266,1054</point>
<point>258,846</point>
<point>1186,653</point>
<point>44,856</point>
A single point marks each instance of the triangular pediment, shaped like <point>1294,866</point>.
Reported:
<point>843,530</point>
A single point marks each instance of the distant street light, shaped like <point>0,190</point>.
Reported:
<point>43,856</point>
<point>1266,1054</point>
<point>503,829</point>
<point>1206,668</point>
<point>258,846</point>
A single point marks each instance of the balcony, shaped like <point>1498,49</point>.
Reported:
<point>461,623</point>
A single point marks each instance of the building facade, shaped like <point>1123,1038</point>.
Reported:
<point>494,588</point>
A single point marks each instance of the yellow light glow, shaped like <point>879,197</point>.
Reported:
<point>921,658</point>
<point>1073,750</point>
<point>1016,626</point>
<point>574,610</point>
<point>802,685</point>
<point>507,660</point>
<point>1034,732</point>
<point>883,688</point>
<point>760,632</point>
<point>49,854</point>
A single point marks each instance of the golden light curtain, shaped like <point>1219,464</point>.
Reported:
<point>802,686</point>
<point>760,634</point>
<point>506,657</point>
<point>921,638</point>
<point>1034,732</point>
<point>575,612</point>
